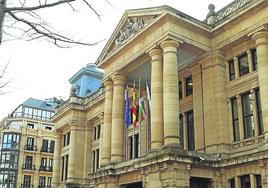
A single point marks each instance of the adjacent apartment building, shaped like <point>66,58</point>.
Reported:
<point>206,105</point>
<point>27,146</point>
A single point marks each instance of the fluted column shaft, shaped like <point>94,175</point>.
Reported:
<point>107,126</point>
<point>157,130</point>
<point>72,152</point>
<point>57,159</point>
<point>118,119</point>
<point>170,92</point>
<point>261,39</point>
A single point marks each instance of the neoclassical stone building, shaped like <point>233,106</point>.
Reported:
<point>207,121</point>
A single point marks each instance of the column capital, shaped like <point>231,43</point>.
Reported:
<point>108,83</point>
<point>119,79</point>
<point>155,52</point>
<point>170,43</point>
<point>261,37</point>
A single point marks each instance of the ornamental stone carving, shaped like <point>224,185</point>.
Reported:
<point>132,26</point>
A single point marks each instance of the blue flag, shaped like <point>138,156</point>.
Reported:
<point>127,110</point>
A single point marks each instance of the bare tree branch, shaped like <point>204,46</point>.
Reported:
<point>55,37</point>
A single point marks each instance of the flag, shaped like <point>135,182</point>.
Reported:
<point>127,110</point>
<point>134,107</point>
<point>148,95</point>
<point>141,112</point>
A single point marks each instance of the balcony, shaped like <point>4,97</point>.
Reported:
<point>47,150</point>
<point>28,167</point>
<point>46,168</point>
<point>26,186</point>
<point>30,148</point>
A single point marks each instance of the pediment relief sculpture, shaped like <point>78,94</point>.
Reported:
<point>132,26</point>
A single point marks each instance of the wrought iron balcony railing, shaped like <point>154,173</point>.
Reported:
<point>30,148</point>
<point>28,167</point>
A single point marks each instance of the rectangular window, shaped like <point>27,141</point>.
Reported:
<point>68,138</point>
<point>28,163</point>
<point>64,140</point>
<point>27,181</point>
<point>48,128</point>
<point>66,166</point>
<point>11,141</point>
<point>42,182</point>
<point>50,165</point>
<point>189,86</point>
<point>30,125</point>
<point>97,158</point>
<point>180,90</point>
<point>258,181</point>
<point>95,133</point>
<point>49,182</point>
<point>62,168</point>
<point>130,147</point>
<point>236,135</point>
<point>232,183</point>
<point>243,64</point>
<point>259,111</point>
<point>98,131</point>
<point>190,130</point>
<point>245,181</point>
<point>254,59</point>
<point>181,129</point>
<point>30,144</point>
<point>44,145</point>
<point>136,146</point>
<point>51,146</point>
<point>93,161</point>
<point>231,70</point>
<point>247,115</point>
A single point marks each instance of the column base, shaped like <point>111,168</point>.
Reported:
<point>171,141</point>
<point>116,158</point>
<point>105,162</point>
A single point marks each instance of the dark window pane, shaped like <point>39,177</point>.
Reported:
<point>235,120</point>
<point>231,70</point>
<point>180,90</point>
<point>258,181</point>
<point>136,145</point>
<point>243,64</point>
<point>190,130</point>
<point>254,59</point>
<point>189,86</point>
<point>232,183</point>
<point>181,129</point>
<point>245,181</point>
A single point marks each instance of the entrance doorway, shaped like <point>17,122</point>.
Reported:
<point>200,182</point>
<point>132,185</point>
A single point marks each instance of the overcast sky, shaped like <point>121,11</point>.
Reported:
<point>41,70</point>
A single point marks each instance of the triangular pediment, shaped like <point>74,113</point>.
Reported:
<point>131,24</point>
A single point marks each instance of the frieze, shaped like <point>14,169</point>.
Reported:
<point>133,26</point>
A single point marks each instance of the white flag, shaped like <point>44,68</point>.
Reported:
<point>148,95</point>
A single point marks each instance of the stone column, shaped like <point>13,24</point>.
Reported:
<point>57,158</point>
<point>118,118</point>
<point>157,99</point>
<point>88,150</point>
<point>170,93</point>
<point>237,182</point>
<point>107,126</point>
<point>261,39</point>
<point>72,152</point>
<point>240,117</point>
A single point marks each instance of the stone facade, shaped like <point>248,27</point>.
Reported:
<point>208,122</point>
